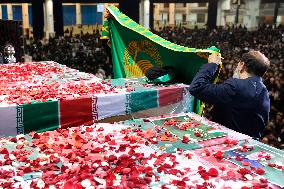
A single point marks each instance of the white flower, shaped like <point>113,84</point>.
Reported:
<point>7,168</point>
<point>168,161</point>
<point>12,157</point>
<point>151,162</point>
<point>248,176</point>
<point>40,183</point>
<point>15,164</point>
<point>106,148</point>
<point>23,184</point>
<point>50,141</point>
<point>21,142</point>
<point>95,165</point>
<point>104,163</point>
<point>43,162</point>
<point>19,179</point>
<point>117,180</point>
<point>101,181</point>
<point>86,183</point>
<point>20,136</point>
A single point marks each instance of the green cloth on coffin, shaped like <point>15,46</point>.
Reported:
<point>135,49</point>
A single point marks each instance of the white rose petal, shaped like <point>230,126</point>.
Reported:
<point>40,183</point>
<point>21,142</point>
<point>43,162</point>
<point>12,157</point>
<point>20,136</point>
<point>168,161</point>
<point>104,163</point>
<point>7,167</point>
<point>22,185</point>
<point>248,176</point>
<point>19,179</point>
<point>95,165</point>
<point>86,183</point>
<point>15,164</point>
<point>101,181</point>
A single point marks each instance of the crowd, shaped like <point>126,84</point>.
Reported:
<point>86,53</point>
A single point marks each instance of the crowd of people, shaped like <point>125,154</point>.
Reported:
<point>86,53</point>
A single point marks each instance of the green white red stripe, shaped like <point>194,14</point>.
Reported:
<point>43,116</point>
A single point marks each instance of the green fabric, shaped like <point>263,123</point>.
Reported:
<point>141,124</point>
<point>135,49</point>
<point>205,130</point>
<point>105,30</point>
<point>161,79</point>
<point>197,106</point>
<point>40,116</point>
<point>143,100</point>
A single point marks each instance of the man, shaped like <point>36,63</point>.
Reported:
<point>9,52</point>
<point>240,103</point>
<point>1,59</point>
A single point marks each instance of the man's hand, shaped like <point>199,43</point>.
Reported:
<point>215,58</point>
<point>107,14</point>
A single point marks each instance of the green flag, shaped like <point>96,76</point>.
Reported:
<point>135,49</point>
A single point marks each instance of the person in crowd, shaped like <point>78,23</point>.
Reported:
<point>1,59</point>
<point>241,103</point>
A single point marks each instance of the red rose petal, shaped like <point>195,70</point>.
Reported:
<point>101,129</point>
<point>4,151</point>
<point>239,158</point>
<point>244,171</point>
<point>263,180</point>
<point>197,134</point>
<point>245,163</point>
<point>222,168</point>
<point>245,187</point>
<point>260,171</point>
<point>219,155</point>
<point>185,140</point>
<point>125,171</point>
<point>27,170</point>
<point>271,164</point>
<point>213,172</point>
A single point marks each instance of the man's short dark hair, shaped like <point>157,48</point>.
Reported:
<point>255,62</point>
